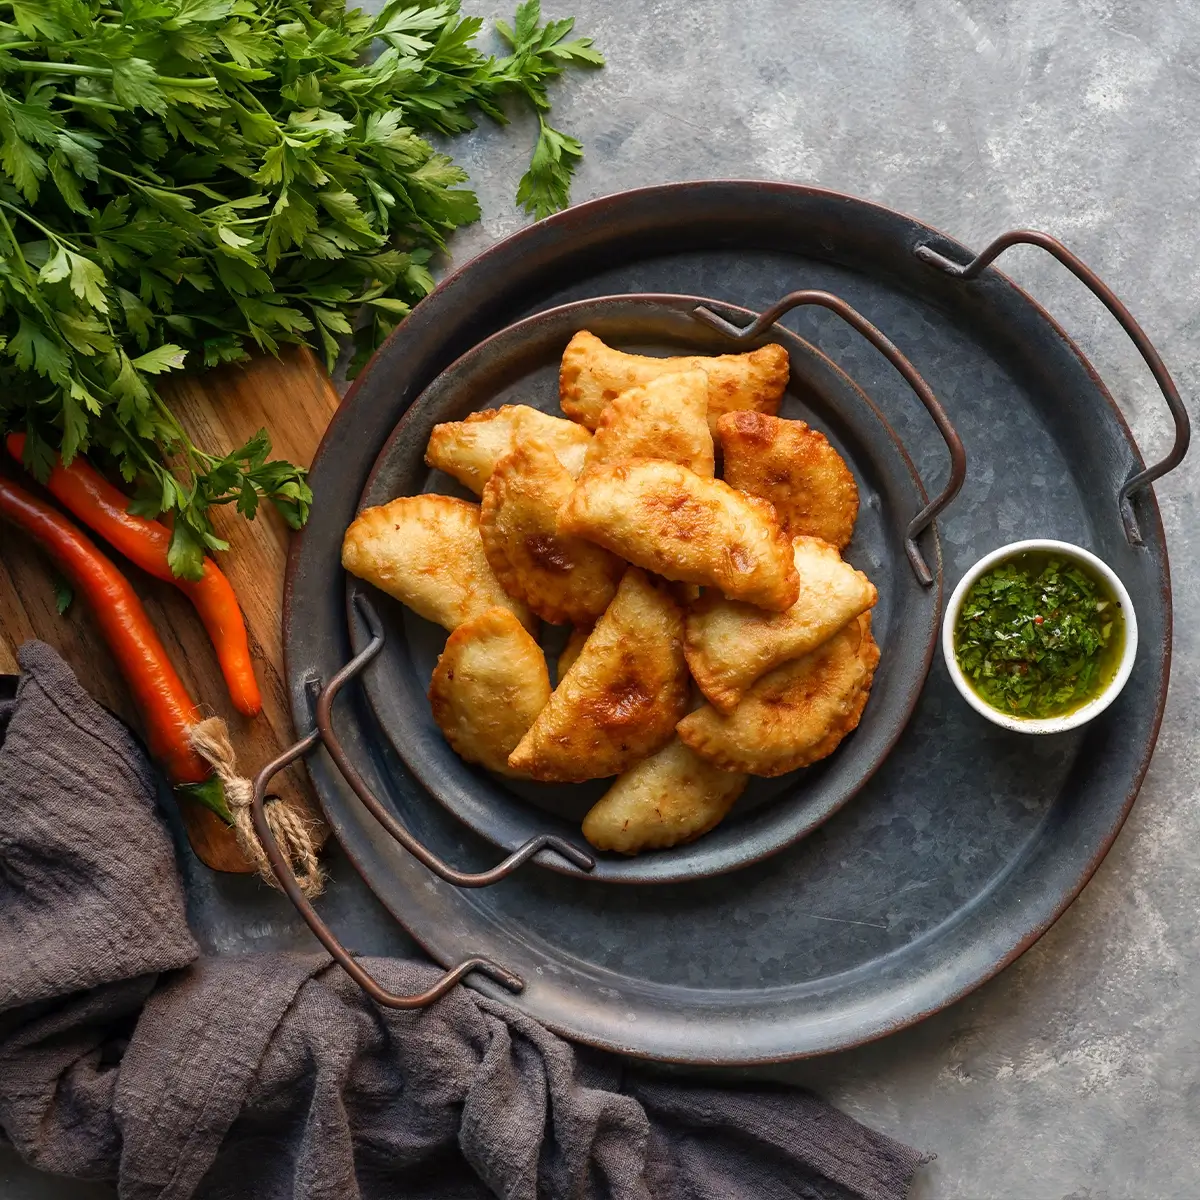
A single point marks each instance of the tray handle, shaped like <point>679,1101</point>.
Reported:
<point>325,735</point>
<point>325,935</point>
<point>1106,296</point>
<point>958,456</point>
<point>328,735</point>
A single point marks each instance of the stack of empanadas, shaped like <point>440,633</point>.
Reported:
<point>667,575</point>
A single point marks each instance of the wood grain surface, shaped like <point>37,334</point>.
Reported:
<point>293,399</point>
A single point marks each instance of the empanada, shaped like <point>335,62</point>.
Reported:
<point>730,644</point>
<point>594,374</point>
<point>489,685</point>
<point>570,652</point>
<point>796,714</point>
<point>562,578</point>
<point>795,468</point>
<point>668,799</point>
<point>426,551</point>
<point>470,449</point>
<point>668,519</point>
<point>621,698</point>
<point>664,419</point>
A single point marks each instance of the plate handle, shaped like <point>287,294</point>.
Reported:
<point>1106,296</point>
<point>325,935</point>
<point>958,456</point>
<point>325,735</point>
<point>328,735</point>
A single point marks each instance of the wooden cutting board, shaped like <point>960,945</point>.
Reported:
<point>293,399</point>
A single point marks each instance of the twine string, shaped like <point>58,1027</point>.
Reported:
<point>292,832</point>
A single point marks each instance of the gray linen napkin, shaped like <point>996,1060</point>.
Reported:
<point>125,1055</point>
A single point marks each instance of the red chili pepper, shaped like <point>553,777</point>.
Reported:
<point>168,712</point>
<point>82,490</point>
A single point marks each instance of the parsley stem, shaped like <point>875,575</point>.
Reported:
<point>200,81</point>
<point>53,68</point>
<point>54,237</point>
<point>173,422</point>
<point>92,102</point>
<point>83,69</point>
<point>137,446</point>
<point>12,239</point>
<point>34,293</point>
<point>154,183</point>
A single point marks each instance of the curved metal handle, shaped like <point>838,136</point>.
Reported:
<point>324,734</point>
<point>325,935</point>
<point>1106,296</point>
<point>958,456</point>
<point>573,854</point>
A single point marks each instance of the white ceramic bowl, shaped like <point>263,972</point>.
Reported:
<point>1094,706</point>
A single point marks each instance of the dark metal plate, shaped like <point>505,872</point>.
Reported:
<point>969,841</point>
<point>520,365</point>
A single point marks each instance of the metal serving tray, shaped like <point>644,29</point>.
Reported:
<point>965,844</point>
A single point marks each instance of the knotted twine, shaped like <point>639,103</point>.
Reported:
<point>292,833</point>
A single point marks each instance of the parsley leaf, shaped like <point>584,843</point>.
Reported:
<point>183,182</point>
<point>540,54</point>
<point>546,186</point>
<point>64,595</point>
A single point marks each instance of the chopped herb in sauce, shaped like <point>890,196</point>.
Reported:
<point>1039,636</point>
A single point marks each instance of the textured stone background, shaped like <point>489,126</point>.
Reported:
<point>1074,1075</point>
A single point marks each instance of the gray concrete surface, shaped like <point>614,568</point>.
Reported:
<point>1075,1074</point>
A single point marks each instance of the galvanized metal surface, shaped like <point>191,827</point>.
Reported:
<point>972,838</point>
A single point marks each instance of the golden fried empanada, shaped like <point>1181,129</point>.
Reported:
<point>796,714</point>
<point>795,468</point>
<point>562,578</point>
<point>668,519</point>
<point>667,418</point>
<point>594,374</point>
<point>489,685</point>
<point>470,449</point>
<point>426,551</point>
<point>730,644</point>
<point>686,593</point>
<point>622,696</point>
<point>668,799</point>
<point>570,652</point>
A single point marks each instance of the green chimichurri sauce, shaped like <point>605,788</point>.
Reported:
<point>1039,635</point>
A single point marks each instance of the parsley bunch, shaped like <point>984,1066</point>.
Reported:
<point>182,181</point>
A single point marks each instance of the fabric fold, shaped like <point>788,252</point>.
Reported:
<point>124,1055</point>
